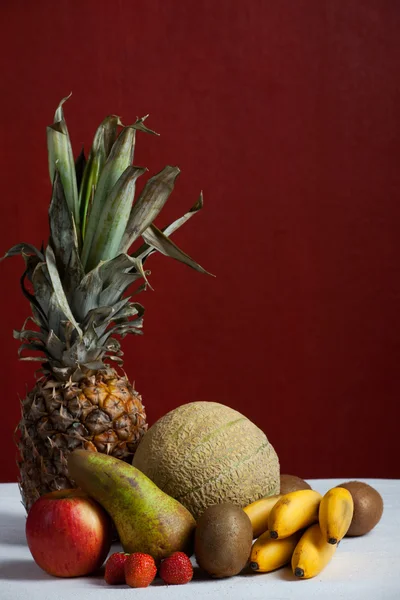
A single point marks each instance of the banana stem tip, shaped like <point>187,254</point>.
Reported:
<point>273,534</point>
<point>332,541</point>
<point>299,572</point>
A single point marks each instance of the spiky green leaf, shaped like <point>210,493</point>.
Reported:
<point>149,204</point>
<point>86,296</point>
<point>197,206</point>
<point>120,264</point>
<point>110,126</point>
<point>145,250</point>
<point>42,287</point>
<point>23,249</point>
<point>61,158</point>
<point>140,126</point>
<point>64,239</point>
<point>114,218</point>
<point>29,334</point>
<point>54,345</point>
<point>156,238</point>
<point>123,330</point>
<point>58,289</point>
<point>35,347</point>
<point>103,141</point>
<point>118,284</point>
<point>56,317</point>
<point>102,316</point>
<point>37,311</point>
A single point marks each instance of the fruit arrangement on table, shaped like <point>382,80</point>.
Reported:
<point>158,533</point>
<point>203,478</point>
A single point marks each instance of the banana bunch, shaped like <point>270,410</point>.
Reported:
<point>302,527</point>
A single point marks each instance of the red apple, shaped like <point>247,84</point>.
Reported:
<point>68,533</point>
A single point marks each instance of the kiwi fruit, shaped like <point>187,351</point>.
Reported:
<point>223,540</point>
<point>368,507</point>
<point>292,483</point>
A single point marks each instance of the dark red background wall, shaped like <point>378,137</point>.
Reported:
<point>287,115</point>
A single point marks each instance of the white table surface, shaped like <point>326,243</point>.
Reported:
<point>364,568</point>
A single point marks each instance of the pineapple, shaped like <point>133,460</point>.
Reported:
<point>76,287</point>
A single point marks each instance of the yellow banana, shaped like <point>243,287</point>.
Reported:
<point>292,512</point>
<point>268,554</point>
<point>258,513</point>
<point>312,553</point>
<point>335,514</point>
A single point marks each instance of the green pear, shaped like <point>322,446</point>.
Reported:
<point>147,519</point>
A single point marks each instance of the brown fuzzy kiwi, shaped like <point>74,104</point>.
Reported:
<point>223,540</point>
<point>368,507</point>
<point>292,483</point>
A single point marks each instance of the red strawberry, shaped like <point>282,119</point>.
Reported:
<point>115,572</point>
<point>176,569</point>
<point>140,570</point>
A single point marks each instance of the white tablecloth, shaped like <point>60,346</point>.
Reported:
<point>364,568</point>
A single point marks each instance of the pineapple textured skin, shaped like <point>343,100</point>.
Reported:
<point>101,413</point>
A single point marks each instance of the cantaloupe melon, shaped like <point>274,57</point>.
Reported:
<point>205,453</point>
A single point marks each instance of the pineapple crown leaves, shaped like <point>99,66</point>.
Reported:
<point>76,284</point>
